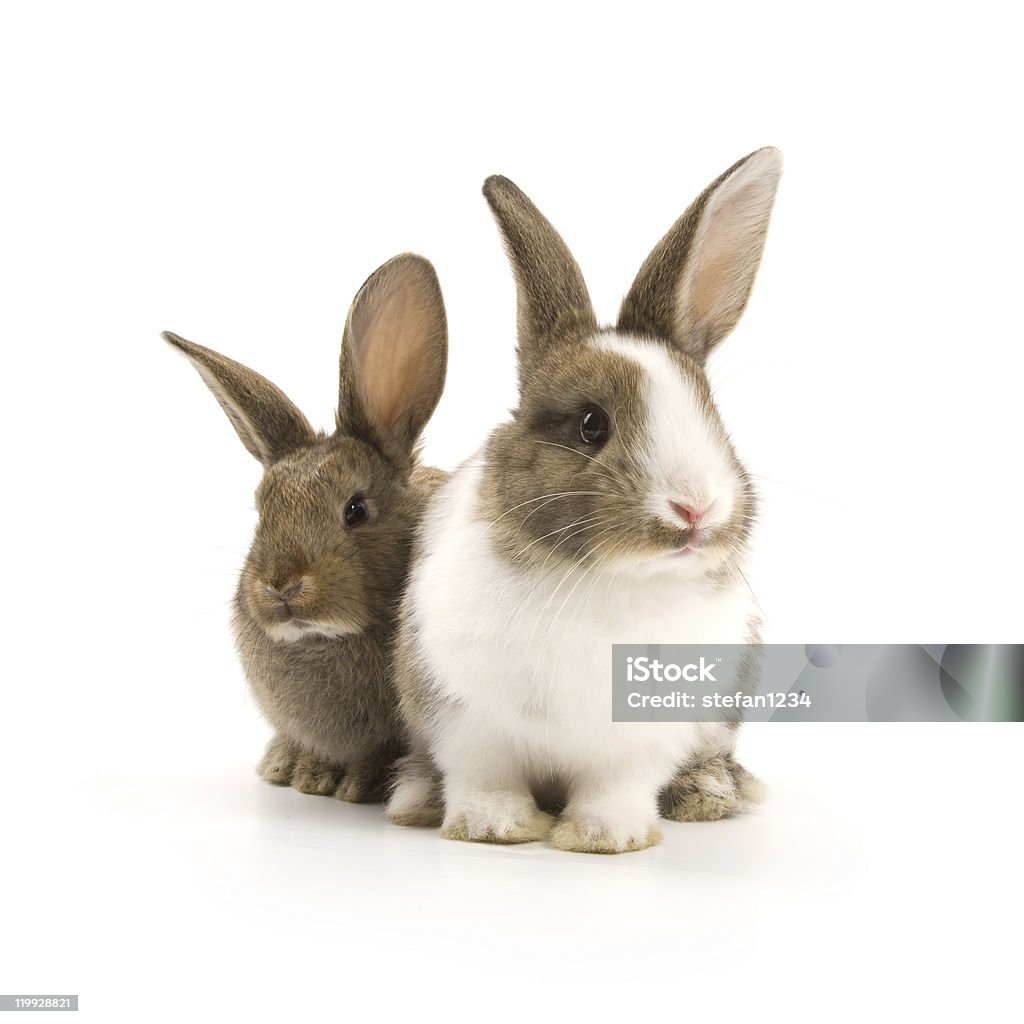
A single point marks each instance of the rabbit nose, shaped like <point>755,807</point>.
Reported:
<point>688,512</point>
<point>285,593</point>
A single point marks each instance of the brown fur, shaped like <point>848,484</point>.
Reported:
<point>708,788</point>
<point>329,695</point>
<point>553,298</point>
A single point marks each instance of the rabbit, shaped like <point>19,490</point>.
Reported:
<point>315,608</point>
<point>611,508</point>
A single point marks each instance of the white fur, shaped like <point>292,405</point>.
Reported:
<point>521,662</point>
<point>412,792</point>
<point>291,632</point>
<point>684,456</point>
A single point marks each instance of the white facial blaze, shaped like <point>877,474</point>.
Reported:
<point>682,452</point>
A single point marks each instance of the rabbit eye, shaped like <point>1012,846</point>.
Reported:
<point>594,426</point>
<point>356,511</point>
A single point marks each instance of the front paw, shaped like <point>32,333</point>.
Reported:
<point>365,781</point>
<point>360,781</point>
<point>497,818</point>
<point>278,764</point>
<point>591,834</point>
<point>317,776</point>
<point>285,763</point>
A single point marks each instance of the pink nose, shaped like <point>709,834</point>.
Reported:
<point>689,513</point>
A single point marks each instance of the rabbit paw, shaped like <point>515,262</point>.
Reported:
<point>497,818</point>
<point>365,781</point>
<point>417,800</point>
<point>286,764</point>
<point>750,788</point>
<point>278,764</point>
<point>709,790</point>
<point>316,775</point>
<point>361,781</point>
<point>589,834</point>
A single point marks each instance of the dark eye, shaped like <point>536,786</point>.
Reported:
<point>356,511</point>
<point>594,425</point>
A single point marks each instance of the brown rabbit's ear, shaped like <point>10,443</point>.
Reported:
<point>263,416</point>
<point>694,286</point>
<point>552,296</point>
<point>394,356</point>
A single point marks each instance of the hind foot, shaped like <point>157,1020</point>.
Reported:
<point>710,789</point>
<point>417,800</point>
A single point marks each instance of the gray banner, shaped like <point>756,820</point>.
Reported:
<point>30,1003</point>
<point>818,683</point>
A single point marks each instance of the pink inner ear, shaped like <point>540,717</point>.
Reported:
<point>727,251</point>
<point>392,333</point>
<point>381,334</point>
<point>716,277</point>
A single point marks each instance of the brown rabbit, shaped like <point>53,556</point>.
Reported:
<point>316,604</point>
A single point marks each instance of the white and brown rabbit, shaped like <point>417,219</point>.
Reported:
<point>316,605</point>
<point>611,509</point>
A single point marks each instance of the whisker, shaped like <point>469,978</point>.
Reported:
<point>546,503</point>
<point>596,461</point>
<point>802,490</point>
<point>555,547</point>
<point>553,495</point>
<point>575,522</point>
<point>589,552</point>
<point>752,594</point>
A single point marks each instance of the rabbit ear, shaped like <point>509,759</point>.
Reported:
<point>394,356</point>
<point>695,284</point>
<point>552,297</point>
<point>263,416</point>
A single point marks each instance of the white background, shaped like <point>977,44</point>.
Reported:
<point>233,174</point>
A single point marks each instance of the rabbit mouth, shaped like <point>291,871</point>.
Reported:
<point>691,551</point>
<point>293,630</point>
<point>694,543</point>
